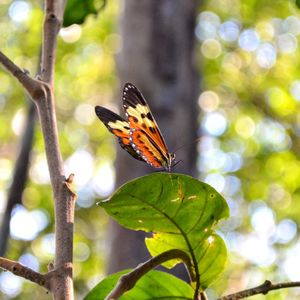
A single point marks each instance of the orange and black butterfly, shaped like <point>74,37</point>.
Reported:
<point>139,134</point>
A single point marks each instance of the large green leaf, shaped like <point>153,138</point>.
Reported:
<point>182,212</point>
<point>154,285</point>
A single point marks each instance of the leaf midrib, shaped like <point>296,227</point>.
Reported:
<point>179,228</point>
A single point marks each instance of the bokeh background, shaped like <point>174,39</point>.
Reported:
<point>249,122</point>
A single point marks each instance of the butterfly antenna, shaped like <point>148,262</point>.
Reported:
<point>176,163</point>
<point>186,145</point>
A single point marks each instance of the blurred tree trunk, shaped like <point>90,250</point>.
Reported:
<point>19,176</point>
<point>157,56</point>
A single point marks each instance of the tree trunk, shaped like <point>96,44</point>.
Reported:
<point>158,57</point>
<point>19,176</point>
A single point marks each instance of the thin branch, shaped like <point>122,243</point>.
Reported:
<point>32,86</point>
<point>65,221</point>
<point>25,272</point>
<point>128,281</point>
<point>64,197</point>
<point>52,25</point>
<point>264,288</point>
<point>41,91</point>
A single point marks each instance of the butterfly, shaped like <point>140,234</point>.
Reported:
<point>139,134</point>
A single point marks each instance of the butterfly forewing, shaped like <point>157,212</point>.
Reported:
<point>119,127</point>
<point>139,135</point>
<point>141,119</point>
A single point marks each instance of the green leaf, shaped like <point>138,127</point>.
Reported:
<point>153,285</point>
<point>211,253</point>
<point>182,212</point>
<point>298,3</point>
<point>77,11</point>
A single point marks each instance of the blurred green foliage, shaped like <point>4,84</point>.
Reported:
<point>250,81</point>
<point>249,57</point>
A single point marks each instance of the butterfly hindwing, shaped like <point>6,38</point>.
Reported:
<point>148,151</point>
<point>119,127</point>
<point>144,131</point>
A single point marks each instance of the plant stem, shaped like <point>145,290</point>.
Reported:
<point>264,288</point>
<point>22,271</point>
<point>128,281</point>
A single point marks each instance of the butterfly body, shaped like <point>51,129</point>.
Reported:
<point>139,134</point>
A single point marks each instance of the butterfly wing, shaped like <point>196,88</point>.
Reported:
<point>119,127</point>
<point>145,136</point>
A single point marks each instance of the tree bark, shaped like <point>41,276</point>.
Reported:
<point>158,57</point>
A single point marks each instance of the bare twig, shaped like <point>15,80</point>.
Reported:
<point>128,281</point>
<point>32,86</point>
<point>25,272</point>
<point>264,288</point>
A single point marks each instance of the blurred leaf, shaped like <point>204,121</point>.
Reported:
<point>77,11</point>
<point>298,3</point>
<point>183,212</point>
<point>154,285</point>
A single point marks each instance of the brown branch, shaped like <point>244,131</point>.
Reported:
<point>52,25</point>
<point>41,91</point>
<point>62,284</point>
<point>264,288</point>
<point>128,281</point>
<point>25,272</point>
<point>32,86</point>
